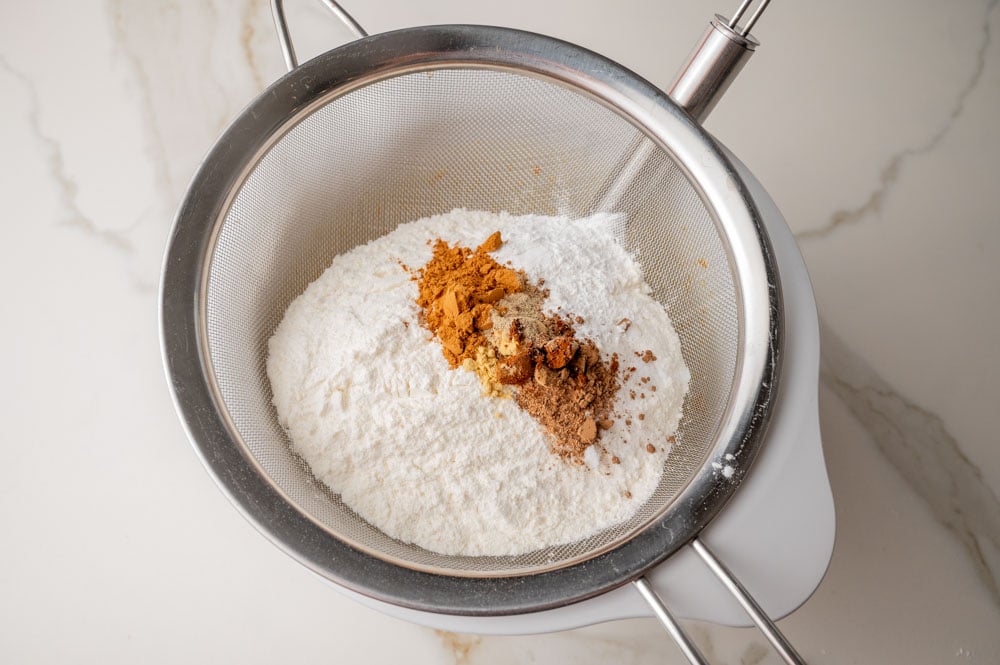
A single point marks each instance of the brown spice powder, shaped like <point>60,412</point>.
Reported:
<point>573,402</point>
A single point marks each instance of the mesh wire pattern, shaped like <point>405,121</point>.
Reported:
<point>423,143</point>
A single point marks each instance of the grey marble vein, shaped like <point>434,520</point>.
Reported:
<point>753,654</point>
<point>889,174</point>
<point>919,445</point>
<point>67,187</point>
<point>701,633</point>
<point>156,145</point>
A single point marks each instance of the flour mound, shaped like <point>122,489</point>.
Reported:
<point>413,447</point>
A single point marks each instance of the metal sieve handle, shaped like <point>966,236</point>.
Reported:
<point>754,611</point>
<point>716,60</point>
<point>713,64</point>
<point>285,37</point>
<point>745,30</point>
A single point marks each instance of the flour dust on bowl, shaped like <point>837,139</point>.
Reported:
<point>405,125</point>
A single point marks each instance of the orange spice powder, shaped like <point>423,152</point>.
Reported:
<point>457,290</point>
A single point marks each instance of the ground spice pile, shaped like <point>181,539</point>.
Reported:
<point>566,386</point>
<point>457,290</point>
<point>489,319</point>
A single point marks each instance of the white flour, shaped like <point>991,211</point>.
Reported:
<point>412,446</point>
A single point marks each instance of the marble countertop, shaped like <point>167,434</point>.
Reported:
<point>873,126</point>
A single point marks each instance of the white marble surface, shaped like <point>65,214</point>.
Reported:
<point>872,124</point>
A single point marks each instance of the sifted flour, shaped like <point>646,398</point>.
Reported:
<point>413,447</point>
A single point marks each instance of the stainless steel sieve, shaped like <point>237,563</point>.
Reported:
<point>402,125</point>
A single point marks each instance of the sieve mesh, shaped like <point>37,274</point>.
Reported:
<point>424,143</point>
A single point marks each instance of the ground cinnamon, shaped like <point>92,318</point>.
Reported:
<point>457,291</point>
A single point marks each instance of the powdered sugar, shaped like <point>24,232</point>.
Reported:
<point>412,446</point>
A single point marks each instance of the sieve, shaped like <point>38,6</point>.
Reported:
<point>402,125</point>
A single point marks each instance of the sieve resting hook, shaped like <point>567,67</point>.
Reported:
<point>285,37</point>
<point>760,619</point>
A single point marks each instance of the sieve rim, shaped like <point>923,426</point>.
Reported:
<point>281,106</point>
